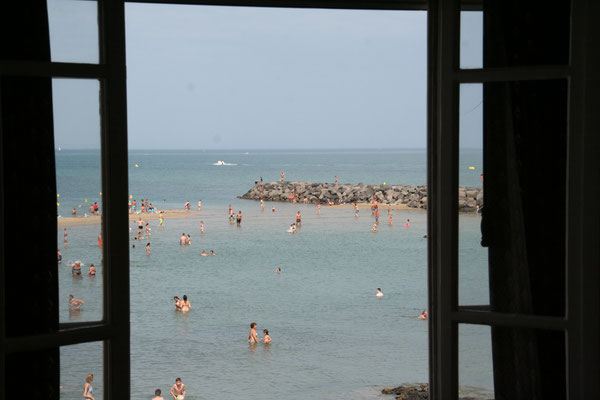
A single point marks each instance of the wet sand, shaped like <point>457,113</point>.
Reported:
<point>168,214</point>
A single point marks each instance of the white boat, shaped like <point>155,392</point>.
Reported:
<point>220,162</point>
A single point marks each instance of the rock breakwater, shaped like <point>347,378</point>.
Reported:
<point>326,193</point>
<point>420,391</point>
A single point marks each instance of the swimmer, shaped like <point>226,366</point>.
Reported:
<point>425,236</point>
<point>273,209</point>
<point>148,249</point>
<point>75,304</point>
<point>177,303</point>
<point>147,229</point>
<point>178,390</point>
<point>76,268</point>
<point>59,255</point>
<point>252,338</point>
<point>182,239</point>
<point>298,218</point>
<point>278,271</point>
<point>374,228</point>
<point>88,391</point>
<point>185,304</point>
<point>188,240</point>
<point>423,315</point>
<point>266,338</point>
<point>407,224</point>
<point>212,253</point>
<point>99,239</point>
<point>390,218</point>
<point>238,218</point>
<point>157,395</point>
<point>379,293</point>
<point>92,271</point>
<point>319,209</point>
<point>356,210</point>
<point>74,212</point>
<point>199,205</point>
<point>204,253</point>
<point>262,205</point>
<point>202,227</point>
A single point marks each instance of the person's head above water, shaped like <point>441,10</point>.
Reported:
<point>176,298</point>
<point>177,380</point>
<point>185,297</point>
<point>253,325</point>
<point>157,392</point>
<point>266,331</point>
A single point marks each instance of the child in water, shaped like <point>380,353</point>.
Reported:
<point>379,293</point>
<point>266,339</point>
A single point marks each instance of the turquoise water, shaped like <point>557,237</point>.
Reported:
<point>332,338</point>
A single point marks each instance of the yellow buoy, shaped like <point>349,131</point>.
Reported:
<point>86,200</point>
<point>471,168</point>
<point>57,195</point>
<point>130,196</point>
<point>57,204</point>
<point>136,165</point>
<point>384,183</point>
<point>100,193</point>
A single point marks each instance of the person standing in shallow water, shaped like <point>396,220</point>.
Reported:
<point>178,390</point>
<point>185,304</point>
<point>252,337</point>
<point>182,239</point>
<point>88,390</point>
<point>238,218</point>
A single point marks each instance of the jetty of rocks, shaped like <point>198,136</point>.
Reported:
<point>420,391</point>
<point>323,193</point>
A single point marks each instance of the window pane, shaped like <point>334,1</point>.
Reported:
<point>472,257</point>
<point>471,39</point>
<point>475,367</point>
<point>73,31</point>
<point>79,198</point>
<point>77,362</point>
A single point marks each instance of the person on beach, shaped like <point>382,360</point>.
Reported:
<point>188,240</point>
<point>423,315</point>
<point>212,253</point>
<point>407,224</point>
<point>199,205</point>
<point>76,268</point>
<point>187,205</point>
<point>379,293</point>
<point>157,395</point>
<point>182,239</point>
<point>252,337</point>
<point>177,303</point>
<point>202,227</point>
<point>203,254</point>
<point>185,304</point>
<point>88,390</point>
<point>92,270</point>
<point>75,304</point>
<point>178,390</point>
<point>266,338</point>
<point>262,205</point>
<point>96,209</point>
<point>147,229</point>
<point>356,210</point>
<point>374,228</point>
<point>100,239</point>
<point>59,256</point>
<point>238,218</point>
<point>148,248</point>
<point>298,219</point>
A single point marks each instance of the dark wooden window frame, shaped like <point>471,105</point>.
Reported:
<point>581,323</point>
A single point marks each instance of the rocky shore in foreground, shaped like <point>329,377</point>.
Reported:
<point>323,193</point>
<point>420,391</point>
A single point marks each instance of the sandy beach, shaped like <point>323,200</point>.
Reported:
<point>172,214</point>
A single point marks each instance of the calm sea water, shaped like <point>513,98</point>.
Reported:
<point>332,338</point>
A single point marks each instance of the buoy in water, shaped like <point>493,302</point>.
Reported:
<point>100,193</point>
<point>130,196</point>
<point>86,200</point>
<point>57,204</point>
<point>57,195</point>
<point>471,168</point>
<point>136,165</point>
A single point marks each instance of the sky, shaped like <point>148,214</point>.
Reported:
<point>206,77</point>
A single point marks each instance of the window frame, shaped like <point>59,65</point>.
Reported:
<point>580,324</point>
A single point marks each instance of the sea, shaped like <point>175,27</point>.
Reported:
<point>332,337</point>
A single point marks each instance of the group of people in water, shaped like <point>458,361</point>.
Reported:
<point>182,305</point>
<point>253,337</point>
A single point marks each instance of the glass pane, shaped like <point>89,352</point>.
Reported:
<point>81,367</point>
<point>475,366</point>
<point>79,198</point>
<point>73,31</point>
<point>472,257</point>
<point>523,220</point>
<point>471,39</point>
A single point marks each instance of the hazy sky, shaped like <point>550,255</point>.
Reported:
<point>241,78</point>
